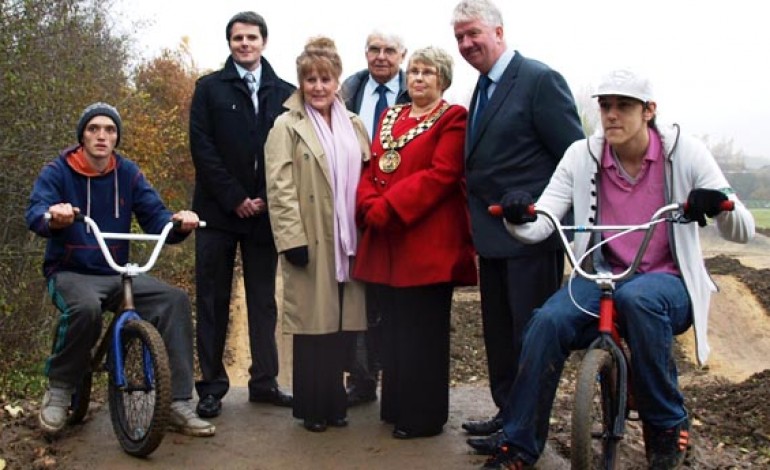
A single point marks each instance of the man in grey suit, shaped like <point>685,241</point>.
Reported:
<point>367,93</point>
<point>521,120</point>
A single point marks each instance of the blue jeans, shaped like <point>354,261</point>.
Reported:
<point>652,307</point>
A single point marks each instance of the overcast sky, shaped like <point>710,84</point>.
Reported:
<point>709,61</point>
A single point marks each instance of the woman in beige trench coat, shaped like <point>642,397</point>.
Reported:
<point>313,160</point>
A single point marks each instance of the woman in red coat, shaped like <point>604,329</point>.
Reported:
<point>416,244</point>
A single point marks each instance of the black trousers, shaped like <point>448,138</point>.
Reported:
<point>318,380</point>
<point>415,357</point>
<point>365,362</point>
<point>215,252</point>
<point>511,289</point>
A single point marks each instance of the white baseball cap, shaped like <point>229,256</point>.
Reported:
<point>624,82</point>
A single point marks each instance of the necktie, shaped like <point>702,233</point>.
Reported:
<point>380,107</point>
<point>251,81</point>
<point>483,99</point>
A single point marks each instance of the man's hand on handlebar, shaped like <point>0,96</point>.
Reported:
<point>188,221</point>
<point>517,207</point>
<point>702,203</point>
<point>62,215</point>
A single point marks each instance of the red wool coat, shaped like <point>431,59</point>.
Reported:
<point>426,238</point>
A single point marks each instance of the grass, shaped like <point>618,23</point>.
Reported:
<point>761,217</point>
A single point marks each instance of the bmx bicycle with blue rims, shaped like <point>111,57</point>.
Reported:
<point>603,388</point>
<point>134,356</point>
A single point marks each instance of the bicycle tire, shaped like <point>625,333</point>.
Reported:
<point>140,410</point>
<point>595,412</point>
<point>81,399</point>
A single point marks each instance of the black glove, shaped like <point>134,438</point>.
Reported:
<point>516,207</point>
<point>704,202</point>
<point>297,256</point>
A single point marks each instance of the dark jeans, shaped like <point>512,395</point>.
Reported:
<point>653,309</point>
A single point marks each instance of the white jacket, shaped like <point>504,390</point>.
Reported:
<point>689,165</point>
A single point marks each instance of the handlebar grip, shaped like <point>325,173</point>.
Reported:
<point>496,210</point>
<point>727,206</point>
<point>178,223</point>
<point>79,217</point>
<point>724,206</point>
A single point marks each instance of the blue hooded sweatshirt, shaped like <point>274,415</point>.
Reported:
<point>109,199</point>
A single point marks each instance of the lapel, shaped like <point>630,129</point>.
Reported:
<point>306,133</point>
<point>503,89</point>
<point>230,74</point>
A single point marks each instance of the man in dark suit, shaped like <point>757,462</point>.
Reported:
<point>232,112</point>
<point>521,120</point>
<point>384,55</point>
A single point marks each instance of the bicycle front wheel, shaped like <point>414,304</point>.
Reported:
<point>597,393</point>
<point>140,410</point>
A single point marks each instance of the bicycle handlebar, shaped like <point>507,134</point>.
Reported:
<point>130,269</point>
<point>496,210</point>
<point>660,215</point>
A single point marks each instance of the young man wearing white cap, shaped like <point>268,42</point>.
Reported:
<point>620,176</point>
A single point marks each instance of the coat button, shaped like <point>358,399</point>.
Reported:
<point>306,156</point>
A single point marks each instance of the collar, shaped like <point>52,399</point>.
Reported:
<point>652,154</point>
<point>79,163</point>
<point>256,72</point>
<point>497,70</point>
<point>393,85</point>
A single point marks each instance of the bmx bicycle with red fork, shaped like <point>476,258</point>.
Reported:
<point>603,389</point>
<point>134,356</point>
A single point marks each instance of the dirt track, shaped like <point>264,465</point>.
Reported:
<point>265,437</point>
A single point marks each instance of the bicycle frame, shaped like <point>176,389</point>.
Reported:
<point>609,336</point>
<point>128,312</point>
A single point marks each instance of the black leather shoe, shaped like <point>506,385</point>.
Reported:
<point>360,395</point>
<point>401,433</point>
<point>487,445</point>
<point>314,426</point>
<point>274,396</point>
<point>484,428</point>
<point>209,407</point>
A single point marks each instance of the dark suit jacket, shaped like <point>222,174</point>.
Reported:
<point>529,122</point>
<point>226,139</point>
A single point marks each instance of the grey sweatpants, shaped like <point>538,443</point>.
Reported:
<point>82,299</point>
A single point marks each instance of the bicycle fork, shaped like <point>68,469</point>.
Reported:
<point>609,339</point>
<point>128,314</point>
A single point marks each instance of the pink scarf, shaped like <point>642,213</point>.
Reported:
<point>343,154</point>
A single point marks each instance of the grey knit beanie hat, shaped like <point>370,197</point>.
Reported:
<point>98,109</point>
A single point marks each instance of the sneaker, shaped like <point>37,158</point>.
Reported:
<point>185,421</point>
<point>666,449</point>
<point>55,407</point>
<point>506,458</point>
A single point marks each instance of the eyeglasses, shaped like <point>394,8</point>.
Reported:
<point>376,50</point>
<point>414,72</point>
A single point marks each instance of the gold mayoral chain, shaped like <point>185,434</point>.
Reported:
<point>391,159</point>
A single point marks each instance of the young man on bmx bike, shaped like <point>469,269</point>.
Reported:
<point>93,179</point>
<point>621,176</point>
